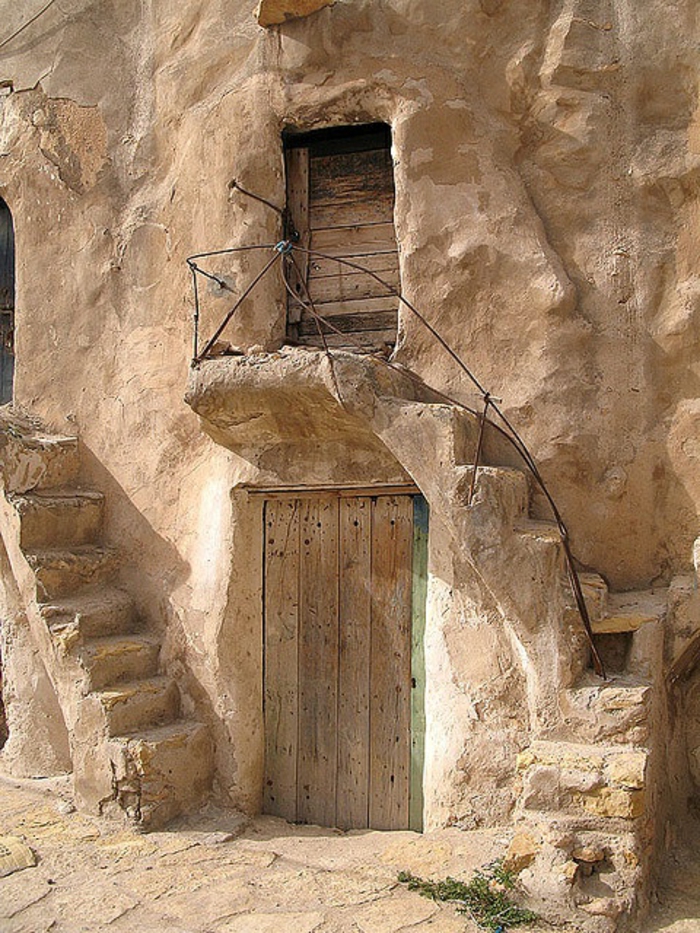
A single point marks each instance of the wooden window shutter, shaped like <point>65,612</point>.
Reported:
<point>340,196</point>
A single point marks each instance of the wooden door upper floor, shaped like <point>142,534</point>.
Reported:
<point>340,198</point>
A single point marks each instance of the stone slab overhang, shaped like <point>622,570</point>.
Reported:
<point>295,394</point>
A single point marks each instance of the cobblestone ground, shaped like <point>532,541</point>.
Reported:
<point>217,873</point>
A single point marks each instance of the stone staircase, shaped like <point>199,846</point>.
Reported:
<point>586,792</point>
<point>133,753</point>
<point>583,786</point>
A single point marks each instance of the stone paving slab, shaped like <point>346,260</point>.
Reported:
<point>216,872</point>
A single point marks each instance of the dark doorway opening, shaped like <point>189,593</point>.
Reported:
<point>7,303</point>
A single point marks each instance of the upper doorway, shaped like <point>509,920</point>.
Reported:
<point>344,612</point>
<point>340,199</point>
<point>7,303</point>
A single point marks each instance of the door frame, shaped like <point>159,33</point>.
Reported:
<point>419,585</point>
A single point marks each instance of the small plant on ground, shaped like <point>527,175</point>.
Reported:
<point>486,898</point>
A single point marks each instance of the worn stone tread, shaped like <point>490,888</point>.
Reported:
<point>61,571</point>
<point>59,494</point>
<point>115,659</point>
<point>538,530</point>
<point>175,768</point>
<point>81,555</point>
<point>139,704</point>
<point>169,732</point>
<point>97,612</point>
<point>616,710</point>
<point>627,612</point>
<point>59,517</point>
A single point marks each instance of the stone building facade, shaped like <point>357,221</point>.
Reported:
<point>541,171</point>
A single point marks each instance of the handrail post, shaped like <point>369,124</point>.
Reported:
<point>193,270</point>
<point>479,444</point>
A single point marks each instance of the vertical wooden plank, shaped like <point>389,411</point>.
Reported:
<point>298,207</point>
<point>355,606</point>
<point>390,675</point>
<point>318,661</point>
<point>419,592</point>
<point>281,604</point>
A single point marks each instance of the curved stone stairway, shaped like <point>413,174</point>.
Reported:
<point>583,803</point>
<point>585,809</point>
<point>133,753</point>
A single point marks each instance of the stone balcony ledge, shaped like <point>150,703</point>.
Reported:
<point>295,394</point>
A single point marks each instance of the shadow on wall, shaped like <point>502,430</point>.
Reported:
<point>3,719</point>
<point>674,480</point>
<point>151,566</point>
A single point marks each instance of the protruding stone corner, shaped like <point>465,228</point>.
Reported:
<point>31,457</point>
<point>582,819</point>
<point>276,12</point>
<point>588,880</point>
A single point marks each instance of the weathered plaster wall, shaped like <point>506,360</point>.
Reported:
<point>546,163</point>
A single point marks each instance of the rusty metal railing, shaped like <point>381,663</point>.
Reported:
<point>284,252</point>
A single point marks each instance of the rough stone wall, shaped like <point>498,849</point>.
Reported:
<point>546,192</point>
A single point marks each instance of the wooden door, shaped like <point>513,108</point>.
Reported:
<point>340,688</point>
<point>340,197</point>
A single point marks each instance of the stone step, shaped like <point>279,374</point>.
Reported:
<point>617,710</point>
<point>60,572</point>
<point>628,612</point>
<point>597,781</point>
<point>542,543</point>
<point>164,771</point>
<point>539,531</point>
<point>115,659</point>
<point>91,614</point>
<point>33,461</point>
<point>502,491</point>
<point>59,517</point>
<point>463,433</point>
<point>139,704</point>
<point>448,433</point>
<point>595,594</point>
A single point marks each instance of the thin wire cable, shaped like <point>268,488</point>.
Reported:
<point>234,186</point>
<point>237,305</point>
<point>26,25</point>
<point>393,291</point>
<point>509,433</point>
<point>318,321</point>
<point>215,278</point>
<point>193,270</point>
<point>231,249</point>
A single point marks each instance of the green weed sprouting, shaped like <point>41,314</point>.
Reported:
<point>485,898</point>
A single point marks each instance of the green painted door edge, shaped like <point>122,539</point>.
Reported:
<point>419,592</point>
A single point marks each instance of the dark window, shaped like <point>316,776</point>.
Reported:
<point>340,197</point>
<point>7,302</point>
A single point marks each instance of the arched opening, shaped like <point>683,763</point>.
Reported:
<point>7,302</point>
